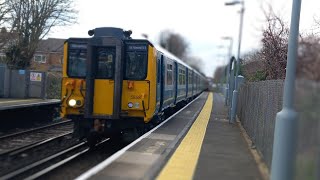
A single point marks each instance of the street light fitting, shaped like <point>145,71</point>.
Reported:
<point>226,37</point>
<point>220,47</point>
<point>233,3</point>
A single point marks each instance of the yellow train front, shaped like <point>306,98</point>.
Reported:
<point>112,83</point>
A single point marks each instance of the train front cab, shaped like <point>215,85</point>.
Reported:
<point>132,103</point>
<point>117,91</point>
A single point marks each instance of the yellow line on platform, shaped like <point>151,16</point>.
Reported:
<point>183,162</point>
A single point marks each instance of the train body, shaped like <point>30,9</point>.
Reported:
<point>113,83</point>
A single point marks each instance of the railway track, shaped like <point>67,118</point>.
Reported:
<point>15,143</point>
<point>43,166</point>
<point>71,161</point>
<point>38,166</point>
<point>111,151</point>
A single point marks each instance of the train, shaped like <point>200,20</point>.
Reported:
<point>119,86</point>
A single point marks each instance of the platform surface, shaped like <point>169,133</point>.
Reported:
<point>8,103</point>
<point>198,143</point>
<point>224,153</point>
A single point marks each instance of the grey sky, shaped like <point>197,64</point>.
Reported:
<point>201,22</point>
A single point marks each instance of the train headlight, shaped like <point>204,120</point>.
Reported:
<point>72,102</point>
<point>130,104</point>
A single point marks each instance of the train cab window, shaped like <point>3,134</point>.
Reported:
<point>77,62</point>
<point>105,62</point>
<point>136,66</point>
<point>169,74</point>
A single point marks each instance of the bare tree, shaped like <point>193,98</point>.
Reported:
<point>177,45</point>
<point>4,18</point>
<point>194,62</point>
<point>316,24</point>
<point>309,58</point>
<point>275,46</point>
<point>31,20</point>
<point>219,74</point>
<point>4,10</point>
<point>174,43</point>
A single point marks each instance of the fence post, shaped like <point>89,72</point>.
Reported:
<point>27,85</point>
<point>44,85</point>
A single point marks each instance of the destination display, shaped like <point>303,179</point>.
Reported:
<point>136,47</point>
<point>77,46</point>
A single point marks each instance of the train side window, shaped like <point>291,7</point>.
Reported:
<point>169,74</point>
<point>105,58</point>
<point>182,77</point>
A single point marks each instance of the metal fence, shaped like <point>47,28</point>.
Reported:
<point>2,75</point>
<point>258,105</point>
<point>22,83</point>
<point>307,103</point>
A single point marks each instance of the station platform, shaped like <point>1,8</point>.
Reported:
<point>197,143</point>
<point>8,103</point>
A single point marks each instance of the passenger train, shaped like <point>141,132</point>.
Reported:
<point>114,84</point>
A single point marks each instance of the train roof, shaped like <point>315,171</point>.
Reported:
<point>173,57</point>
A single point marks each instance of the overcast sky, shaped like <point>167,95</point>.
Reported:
<point>201,22</point>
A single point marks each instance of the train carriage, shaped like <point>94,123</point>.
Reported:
<point>113,83</point>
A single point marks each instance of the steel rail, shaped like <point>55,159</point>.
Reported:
<point>61,163</point>
<point>20,171</point>
<point>27,147</point>
<point>34,129</point>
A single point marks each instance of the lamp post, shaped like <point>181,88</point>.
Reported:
<point>228,38</point>
<point>284,143</point>
<point>228,67</point>
<point>235,91</point>
<point>220,56</point>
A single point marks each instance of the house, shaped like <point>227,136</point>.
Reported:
<point>48,55</point>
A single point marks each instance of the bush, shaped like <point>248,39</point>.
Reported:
<point>54,85</point>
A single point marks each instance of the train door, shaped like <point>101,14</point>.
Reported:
<point>175,77</point>
<point>160,78</point>
<point>193,84</point>
<point>104,78</point>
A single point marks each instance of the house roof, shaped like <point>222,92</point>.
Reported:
<point>51,45</point>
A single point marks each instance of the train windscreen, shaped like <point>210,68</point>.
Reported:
<point>106,58</point>
<point>136,62</point>
<point>77,57</point>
